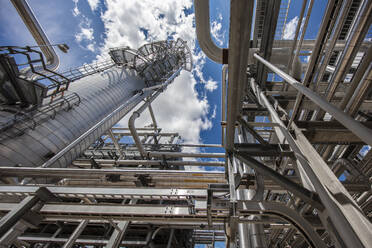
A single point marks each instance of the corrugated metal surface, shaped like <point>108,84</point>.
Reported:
<point>100,94</point>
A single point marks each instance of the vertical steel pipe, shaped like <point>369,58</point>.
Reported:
<point>241,19</point>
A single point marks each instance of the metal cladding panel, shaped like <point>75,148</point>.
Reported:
<point>100,94</point>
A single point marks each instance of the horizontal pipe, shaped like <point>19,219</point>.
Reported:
<point>168,145</point>
<point>35,239</point>
<point>83,173</point>
<point>365,134</point>
<point>186,154</point>
<point>149,162</point>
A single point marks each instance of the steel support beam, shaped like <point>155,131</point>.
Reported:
<point>270,150</point>
<point>315,55</point>
<point>359,130</point>
<point>353,228</point>
<point>116,143</point>
<point>357,35</point>
<point>282,211</point>
<point>79,229</point>
<point>24,207</point>
<point>305,194</point>
<point>117,235</point>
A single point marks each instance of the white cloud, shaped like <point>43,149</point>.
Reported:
<point>85,36</point>
<point>290,29</point>
<point>211,85</point>
<point>179,108</point>
<point>90,47</point>
<point>216,32</point>
<point>214,114</point>
<point>93,4</point>
<point>75,10</point>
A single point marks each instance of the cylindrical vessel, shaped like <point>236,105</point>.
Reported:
<point>100,94</point>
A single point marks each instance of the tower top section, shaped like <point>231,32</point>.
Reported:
<point>156,61</point>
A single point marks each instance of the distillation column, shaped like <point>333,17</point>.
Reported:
<point>93,103</point>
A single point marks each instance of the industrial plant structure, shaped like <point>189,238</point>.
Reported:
<point>290,128</point>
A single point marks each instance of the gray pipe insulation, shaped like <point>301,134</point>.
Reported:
<point>100,94</point>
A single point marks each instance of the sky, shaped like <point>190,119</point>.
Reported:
<point>191,105</point>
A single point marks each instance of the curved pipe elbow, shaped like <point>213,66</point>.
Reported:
<point>203,33</point>
<point>32,24</point>
<point>133,131</point>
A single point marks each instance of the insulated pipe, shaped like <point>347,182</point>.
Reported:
<point>186,154</point>
<point>131,124</point>
<point>251,235</point>
<point>354,126</point>
<point>257,235</point>
<point>330,48</point>
<point>299,45</point>
<point>203,32</point>
<point>241,19</point>
<point>357,78</point>
<point>37,32</point>
<point>223,100</point>
<point>106,162</point>
<point>244,241</point>
<point>299,24</point>
<point>96,173</point>
<point>136,114</point>
<point>308,14</point>
<point>360,92</point>
<point>315,55</point>
<point>153,118</point>
<point>357,34</point>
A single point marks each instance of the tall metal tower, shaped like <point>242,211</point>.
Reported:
<point>292,129</point>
